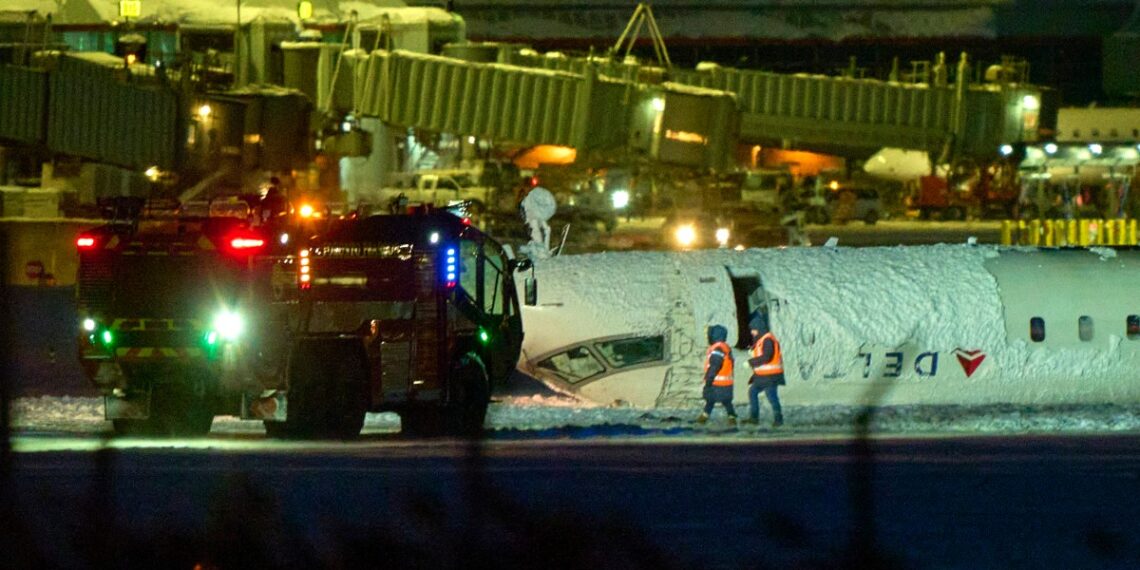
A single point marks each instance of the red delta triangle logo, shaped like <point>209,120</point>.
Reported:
<point>970,360</point>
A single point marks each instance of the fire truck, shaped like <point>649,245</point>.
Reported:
<point>304,326</point>
<point>165,294</point>
<point>416,314</point>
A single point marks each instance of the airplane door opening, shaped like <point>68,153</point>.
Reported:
<point>750,296</point>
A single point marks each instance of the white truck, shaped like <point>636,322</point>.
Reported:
<point>439,189</point>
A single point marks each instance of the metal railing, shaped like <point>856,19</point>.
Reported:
<point>1069,233</point>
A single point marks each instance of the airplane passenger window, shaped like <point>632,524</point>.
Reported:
<point>1037,329</point>
<point>630,351</point>
<point>574,365</point>
<point>1085,328</point>
<point>1132,327</point>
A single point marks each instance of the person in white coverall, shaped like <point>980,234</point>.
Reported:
<point>537,207</point>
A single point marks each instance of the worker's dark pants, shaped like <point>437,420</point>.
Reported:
<point>719,395</point>
<point>769,386</point>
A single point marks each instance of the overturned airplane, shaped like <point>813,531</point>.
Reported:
<point>942,324</point>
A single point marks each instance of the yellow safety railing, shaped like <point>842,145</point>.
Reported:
<point>1069,233</point>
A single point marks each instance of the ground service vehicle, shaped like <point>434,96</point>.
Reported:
<point>766,189</point>
<point>416,314</point>
<point>992,191</point>
<point>854,203</point>
<point>164,295</point>
<point>439,190</point>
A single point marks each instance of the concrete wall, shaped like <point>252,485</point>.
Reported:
<point>50,243</point>
<point>39,318</point>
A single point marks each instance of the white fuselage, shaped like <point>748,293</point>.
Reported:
<point>944,324</point>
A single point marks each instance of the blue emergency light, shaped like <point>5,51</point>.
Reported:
<point>450,267</point>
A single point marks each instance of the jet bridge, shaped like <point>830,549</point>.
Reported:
<point>849,116</point>
<point>690,117</point>
<point>860,116</point>
<point>588,110</point>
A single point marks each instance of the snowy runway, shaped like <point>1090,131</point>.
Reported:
<point>541,417</point>
<point>647,487</point>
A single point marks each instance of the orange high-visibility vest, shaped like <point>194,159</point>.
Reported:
<point>724,375</point>
<point>773,366</point>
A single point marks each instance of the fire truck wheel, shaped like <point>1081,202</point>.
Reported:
<point>133,428</point>
<point>177,409</point>
<point>327,392</point>
<point>422,422</point>
<point>471,393</point>
<point>468,397</point>
<point>189,421</point>
<point>348,403</point>
<point>276,430</point>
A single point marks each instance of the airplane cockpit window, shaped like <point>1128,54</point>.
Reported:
<point>1037,329</point>
<point>1132,327</point>
<point>574,365</point>
<point>1085,328</point>
<point>621,353</point>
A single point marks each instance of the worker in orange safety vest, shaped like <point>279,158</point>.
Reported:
<point>767,371</point>
<point>718,375</point>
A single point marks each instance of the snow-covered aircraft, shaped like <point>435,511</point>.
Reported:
<point>900,165</point>
<point>944,324</point>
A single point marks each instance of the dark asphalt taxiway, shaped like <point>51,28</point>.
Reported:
<point>698,502</point>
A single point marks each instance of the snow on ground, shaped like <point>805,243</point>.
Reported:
<point>559,417</point>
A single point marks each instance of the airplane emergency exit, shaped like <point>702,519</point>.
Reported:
<point>942,324</point>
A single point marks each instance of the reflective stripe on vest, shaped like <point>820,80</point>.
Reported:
<point>773,366</point>
<point>724,375</point>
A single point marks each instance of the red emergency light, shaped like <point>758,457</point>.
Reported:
<point>85,242</point>
<point>246,243</point>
